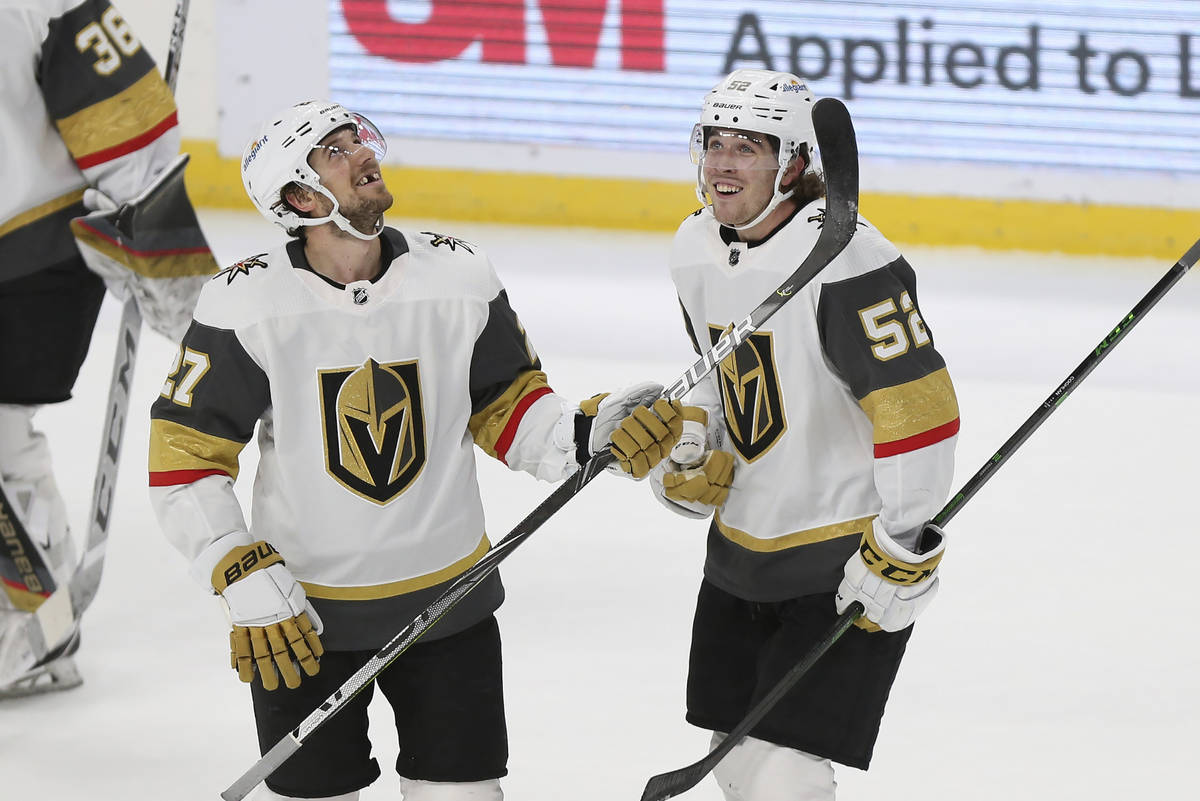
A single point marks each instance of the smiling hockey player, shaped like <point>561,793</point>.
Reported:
<point>830,443</point>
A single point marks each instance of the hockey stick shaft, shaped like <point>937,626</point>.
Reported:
<point>835,135</point>
<point>669,785</point>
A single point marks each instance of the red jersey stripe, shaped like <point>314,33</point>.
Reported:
<point>172,478</point>
<point>917,441</point>
<point>129,145</point>
<point>504,441</point>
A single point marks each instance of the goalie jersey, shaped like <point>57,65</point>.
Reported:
<point>838,410</point>
<point>368,400</point>
<point>81,104</point>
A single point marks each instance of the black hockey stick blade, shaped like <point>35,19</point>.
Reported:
<point>669,785</point>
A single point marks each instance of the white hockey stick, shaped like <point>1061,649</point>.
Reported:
<point>839,152</point>
<point>55,621</point>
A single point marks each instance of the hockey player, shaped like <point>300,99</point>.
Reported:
<point>87,122</point>
<point>371,360</point>
<point>830,443</point>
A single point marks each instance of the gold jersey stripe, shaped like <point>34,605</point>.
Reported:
<point>911,408</point>
<point>38,212</point>
<point>488,425</point>
<point>176,447</point>
<point>180,263</point>
<point>848,528</point>
<point>390,589</point>
<point>118,119</point>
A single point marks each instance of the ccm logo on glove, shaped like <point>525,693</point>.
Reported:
<point>895,571</point>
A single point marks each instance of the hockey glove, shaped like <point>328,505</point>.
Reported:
<point>891,582</point>
<point>274,627</point>
<point>639,437</point>
<point>694,474</point>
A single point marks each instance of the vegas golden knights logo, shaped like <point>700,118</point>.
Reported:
<point>374,427</point>
<point>751,395</point>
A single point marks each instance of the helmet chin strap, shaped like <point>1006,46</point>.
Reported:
<point>335,216</point>
<point>776,198</point>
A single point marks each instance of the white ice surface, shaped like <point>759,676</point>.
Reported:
<point>1061,660</point>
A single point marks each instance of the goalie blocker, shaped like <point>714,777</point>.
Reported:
<point>150,249</point>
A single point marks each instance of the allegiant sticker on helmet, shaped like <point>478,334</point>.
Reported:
<point>254,149</point>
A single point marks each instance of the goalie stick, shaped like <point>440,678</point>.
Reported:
<point>671,784</point>
<point>839,155</point>
<point>55,622</point>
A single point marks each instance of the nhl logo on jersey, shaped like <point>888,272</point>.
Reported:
<point>735,255</point>
<point>373,424</point>
<point>360,296</point>
<point>751,394</point>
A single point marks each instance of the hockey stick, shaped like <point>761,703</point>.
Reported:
<point>669,785</point>
<point>48,630</point>
<point>839,153</point>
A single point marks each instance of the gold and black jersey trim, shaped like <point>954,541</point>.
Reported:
<point>230,398</point>
<point>506,378</point>
<point>912,415</point>
<point>181,455</point>
<point>496,425</point>
<point>872,351</point>
<point>795,539</point>
<point>371,592</point>
<point>155,257</point>
<point>101,86</point>
<point>120,125</point>
<point>40,237</point>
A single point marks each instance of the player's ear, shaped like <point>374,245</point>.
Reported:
<point>300,197</point>
<point>793,171</point>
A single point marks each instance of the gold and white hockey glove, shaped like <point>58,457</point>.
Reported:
<point>891,582</point>
<point>275,628</point>
<point>694,474</point>
<point>638,426</point>
<point>695,479</point>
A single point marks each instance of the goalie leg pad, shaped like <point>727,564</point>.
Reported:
<point>29,486</point>
<point>756,770</point>
<point>58,673</point>
<point>420,790</point>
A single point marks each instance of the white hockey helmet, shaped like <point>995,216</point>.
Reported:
<point>278,155</point>
<point>778,104</point>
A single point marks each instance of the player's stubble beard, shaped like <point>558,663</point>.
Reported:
<point>363,212</point>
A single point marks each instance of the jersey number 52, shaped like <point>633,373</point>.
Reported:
<point>884,325</point>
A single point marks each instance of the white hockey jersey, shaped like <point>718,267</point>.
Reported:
<point>838,409</point>
<point>368,399</point>
<point>81,104</point>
